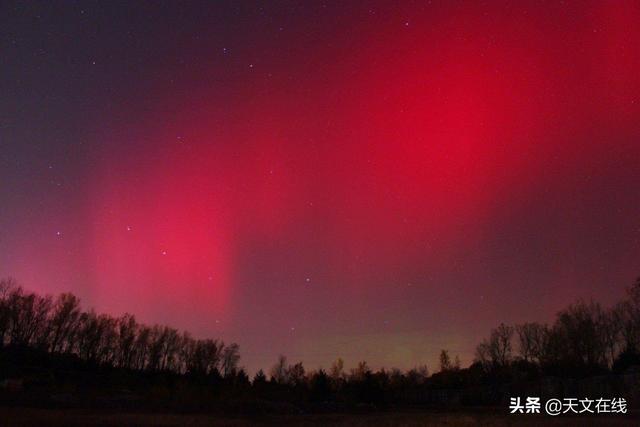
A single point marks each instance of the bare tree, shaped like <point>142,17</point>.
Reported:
<point>230,359</point>
<point>170,349</point>
<point>7,288</point>
<point>336,373</point>
<point>482,354</point>
<point>127,331</point>
<point>627,314</point>
<point>445,361</point>
<point>279,372</point>
<point>64,322</point>
<point>96,338</point>
<point>500,344</point>
<point>528,340</point>
<point>582,331</point>
<point>361,371</point>
<point>456,363</point>
<point>28,315</point>
<point>211,354</point>
<point>141,352</point>
<point>296,374</point>
<point>611,332</point>
<point>538,336</point>
<point>155,348</point>
<point>189,355</point>
<point>107,345</point>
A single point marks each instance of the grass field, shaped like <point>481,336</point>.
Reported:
<point>51,417</point>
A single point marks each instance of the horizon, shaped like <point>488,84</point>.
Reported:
<point>527,342</point>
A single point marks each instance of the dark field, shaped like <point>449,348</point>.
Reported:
<point>50,417</point>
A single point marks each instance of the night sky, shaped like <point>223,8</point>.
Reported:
<point>370,180</point>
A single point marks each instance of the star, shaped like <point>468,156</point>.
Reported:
<point>128,228</point>
<point>164,252</point>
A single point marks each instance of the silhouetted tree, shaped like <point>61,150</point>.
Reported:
<point>126,338</point>
<point>581,327</point>
<point>230,359</point>
<point>279,372</point>
<point>360,371</point>
<point>500,344</point>
<point>28,315</point>
<point>531,340</point>
<point>64,323</point>
<point>445,361</point>
<point>7,287</point>
<point>337,371</point>
<point>296,374</point>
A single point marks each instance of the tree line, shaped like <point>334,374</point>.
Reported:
<point>585,339</point>
<point>59,326</point>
